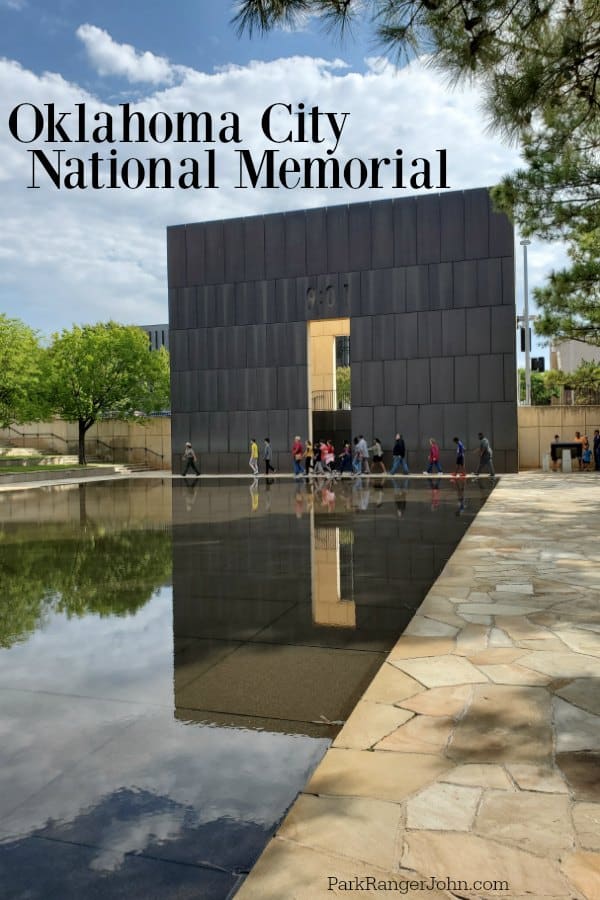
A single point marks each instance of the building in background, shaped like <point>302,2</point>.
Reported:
<point>568,355</point>
<point>158,335</point>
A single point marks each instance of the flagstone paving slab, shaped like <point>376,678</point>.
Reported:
<point>499,639</point>
<point>586,819</point>
<point>417,647</point>
<point>520,629</point>
<point>443,807</point>
<point>504,723</point>
<point>576,729</point>
<point>369,723</point>
<point>493,656</point>
<point>538,778</point>
<point>434,606</point>
<point>382,776</point>
<point>477,597</point>
<point>582,692</point>
<point>591,626</point>
<point>562,665</point>
<point>581,771</point>
<point>579,640</point>
<point>507,674</point>
<point>477,620</point>
<point>441,671</point>
<point>514,588</point>
<point>422,627</point>
<point>471,858</point>
<point>507,817</point>
<point>444,701</point>
<point>482,775</point>
<point>365,830</point>
<point>553,644</point>
<point>472,639</point>
<point>499,609</point>
<point>390,685</point>
<point>583,869</point>
<point>422,734</point>
<point>289,870</point>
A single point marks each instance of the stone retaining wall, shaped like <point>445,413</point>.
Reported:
<point>539,424</point>
<point>147,442</point>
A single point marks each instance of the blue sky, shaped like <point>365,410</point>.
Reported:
<point>86,256</point>
<point>194,33</point>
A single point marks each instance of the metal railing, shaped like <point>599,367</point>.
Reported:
<point>330,400</point>
<point>108,451</point>
<point>581,397</point>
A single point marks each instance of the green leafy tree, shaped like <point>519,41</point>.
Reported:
<point>544,386</point>
<point>342,383</point>
<point>105,368</point>
<point>585,381</point>
<point>570,302</point>
<point>21,379</point>
<point>538,64</point>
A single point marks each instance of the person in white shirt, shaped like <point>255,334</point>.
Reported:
<point>363,455</point>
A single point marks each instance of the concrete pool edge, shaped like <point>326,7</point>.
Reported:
<point>470,757</point>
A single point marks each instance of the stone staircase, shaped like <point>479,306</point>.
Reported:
<point>131,468</point>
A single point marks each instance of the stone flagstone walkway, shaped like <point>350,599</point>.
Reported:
<point>474,756</point>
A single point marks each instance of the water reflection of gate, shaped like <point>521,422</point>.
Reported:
<point>332,575</point>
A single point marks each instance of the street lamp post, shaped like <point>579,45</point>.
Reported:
<point>525,243</point>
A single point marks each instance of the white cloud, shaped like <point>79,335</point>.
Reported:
<point>92,255</point>
<point>110,58</point>
<point>16,5</point>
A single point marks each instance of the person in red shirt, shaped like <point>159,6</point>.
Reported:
<point>434,457</point>
<point>298,456</point>
<point>329,455</point>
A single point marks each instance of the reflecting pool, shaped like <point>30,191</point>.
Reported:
<point>176,657</point>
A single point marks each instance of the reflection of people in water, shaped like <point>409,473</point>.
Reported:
<point>310,496</point>
<point>344,495</point>
<point>191,492</point>
<point>328,498</point>
<point>400,490</point>
<point>268,482</point>
<point>434,484</point>
<point>360,495</point>
<point>254,494</point>
<point>299,503</point>
<point>378,485</point>
<point>460,492</point>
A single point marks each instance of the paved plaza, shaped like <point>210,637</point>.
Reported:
<point>471,766</point>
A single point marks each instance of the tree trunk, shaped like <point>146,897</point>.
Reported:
<point>82,431</point>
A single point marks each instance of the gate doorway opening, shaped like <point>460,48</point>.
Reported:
<point>329,380</point>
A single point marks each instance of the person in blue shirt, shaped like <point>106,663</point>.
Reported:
<point>460,456</point>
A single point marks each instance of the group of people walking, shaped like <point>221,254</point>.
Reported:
<point>321,458</point>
